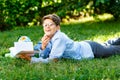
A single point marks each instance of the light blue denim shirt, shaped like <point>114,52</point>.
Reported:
<point>43,53</point>
<point>64,47</point>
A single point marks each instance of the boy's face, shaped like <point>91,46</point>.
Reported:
<point>50,27</point>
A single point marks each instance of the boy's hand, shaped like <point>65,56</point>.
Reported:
<point>45,40</point>
<point>26,55</point>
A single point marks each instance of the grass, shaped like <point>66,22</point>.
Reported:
<point>65,69</point>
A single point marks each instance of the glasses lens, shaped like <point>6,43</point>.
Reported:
<point>49,24</point>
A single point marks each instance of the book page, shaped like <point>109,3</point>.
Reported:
<point>23,46</point>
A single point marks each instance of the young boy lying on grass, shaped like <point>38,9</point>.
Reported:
<point>55,45</point>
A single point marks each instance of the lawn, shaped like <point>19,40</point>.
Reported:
<point>65,69</point>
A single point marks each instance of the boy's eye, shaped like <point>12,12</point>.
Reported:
<point>50,24</point>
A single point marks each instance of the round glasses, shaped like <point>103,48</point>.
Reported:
<point>48,25</point>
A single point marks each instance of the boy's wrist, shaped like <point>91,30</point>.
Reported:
<point>42,47</point>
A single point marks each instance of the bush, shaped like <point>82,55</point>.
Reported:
<point>108,6</point>
<point>24,12</point>
<point>30,12</point>
<point>115,10</point>
<point>19,12</point>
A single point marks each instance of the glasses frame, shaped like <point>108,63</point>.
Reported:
<point>48,25</point>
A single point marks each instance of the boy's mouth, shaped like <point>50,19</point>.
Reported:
<point>47,30</point>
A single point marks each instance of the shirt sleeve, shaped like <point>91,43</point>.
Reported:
<point>40,59</point>
<point>42,53</point>
<point>37,46</point>
<point>57,50</point>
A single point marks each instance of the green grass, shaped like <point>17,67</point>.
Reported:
<point>65,69</point>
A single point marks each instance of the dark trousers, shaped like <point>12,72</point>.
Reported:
<point>102,51</point>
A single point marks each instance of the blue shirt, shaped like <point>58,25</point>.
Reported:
<point>61,46</point>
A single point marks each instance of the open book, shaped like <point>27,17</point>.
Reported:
<point>20,47</point>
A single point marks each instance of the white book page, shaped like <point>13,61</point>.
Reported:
<point>23,46</point>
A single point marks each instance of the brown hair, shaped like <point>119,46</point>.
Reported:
<point>56,19</point>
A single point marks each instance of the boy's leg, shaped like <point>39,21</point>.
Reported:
<point>103,50</point>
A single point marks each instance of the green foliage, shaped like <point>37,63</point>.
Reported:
<point>115,10</point>
<point>101,5</point>
<point>19,12</point>
<point>109,6</point>
<point>30,12</point>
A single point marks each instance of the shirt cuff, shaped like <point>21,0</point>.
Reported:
<point>40,59</point>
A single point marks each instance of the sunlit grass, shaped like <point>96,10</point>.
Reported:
<point>105,17</point>
<point>101,17</point>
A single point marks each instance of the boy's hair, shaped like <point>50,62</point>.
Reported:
<point>56,19</point>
